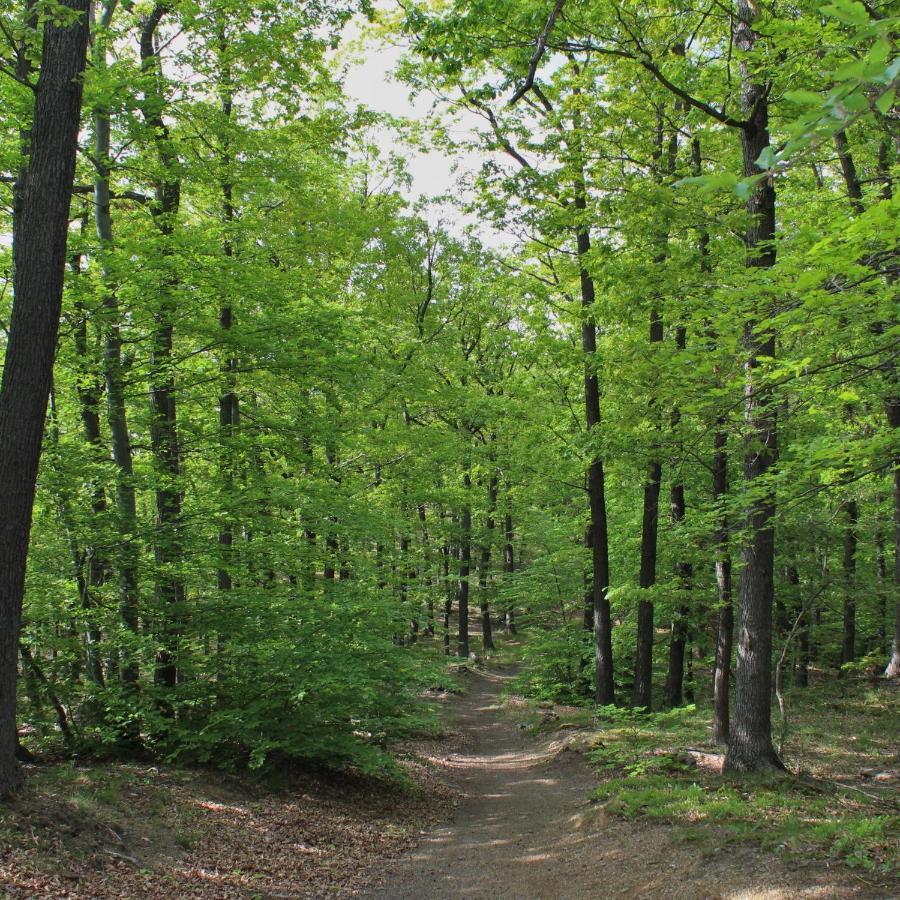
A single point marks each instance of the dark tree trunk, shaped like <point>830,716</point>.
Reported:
<point>509,568</point>
<point>881,590</point>
<point>725,621</point>
<point>127,553</point>
<point>848,639</point>
<point>41,201</point>
<point>678,643</point>
<point>684,572</point>
<point>604,690</point>
<point>484,565</point>
<point>792,576</point>
<point>893,416</point>
<point>750,735</point>
<point>229,411</point>
<point>447,553</point>
<point>167,550</point>
<point>91,566</point>
<point>848,167</point>
<point>425,575</point>
<point>642,693</point>
<point>465,564</point>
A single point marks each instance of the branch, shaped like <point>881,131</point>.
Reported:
<point>488,113</point>
<point>647,63</point>
<point>538,53</point>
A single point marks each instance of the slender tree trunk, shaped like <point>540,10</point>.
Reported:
<point>509,568</point>
<point>893,666</point>
<point>484,565</point>
<point>425,575</point>
<point>792,576</point>
<point>750,736</point>
<point>642,693</point>
<point>848,639</point>
<point>228,400</point>
<point>678,642</point>
<point>127,554</point>
<point>447,553</point>
<point>42,195</point>
<point>92,571</point>
<point>465,564</point>
<point>881,590</point>
<point>168,550</point>
<point>603,685</point>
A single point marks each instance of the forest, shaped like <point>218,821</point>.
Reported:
<point>297,454</point>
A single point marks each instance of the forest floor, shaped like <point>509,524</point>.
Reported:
<point>530,824</point>
<point>512,800</point>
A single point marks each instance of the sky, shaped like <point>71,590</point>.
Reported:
<point>369,80</point>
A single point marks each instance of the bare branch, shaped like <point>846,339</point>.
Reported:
<point>538,53</point>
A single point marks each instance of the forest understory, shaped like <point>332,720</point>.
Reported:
<point>449,448</point>
<point>507,798</point>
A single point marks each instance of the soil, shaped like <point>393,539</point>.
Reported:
<point>525,828</point>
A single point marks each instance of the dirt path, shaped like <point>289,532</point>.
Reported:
<point>525,829</point>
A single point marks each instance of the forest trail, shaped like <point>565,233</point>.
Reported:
<point>525,829</point>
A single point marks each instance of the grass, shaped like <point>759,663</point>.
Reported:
<point>841,737</point>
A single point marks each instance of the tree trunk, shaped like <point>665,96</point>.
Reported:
<point>229,412</point>
<point>167,550</point>
<point>465,562</point>
<point>127,554</point>
<point>509,568</point>
<point>893,667</point>
<point>642,693</point>
<point>684,573</point>
<point>41,201</point>
<point>484,564</point>
<point>603,685</point>
<point>848,639</point>
<point>750,737</point>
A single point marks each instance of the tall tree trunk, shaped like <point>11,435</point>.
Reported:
<point>167,550</point>
<point>881,590</point>
<point>91,572</point>
<point>893,416</point>
<point>128,553</point>
<point>684,572</point>
<point>425,575</point>
<point>725,618</point>
<point>642,693</point>
<point>447,553</point>
<point>509,567</point>
<point>750,735</point>
<point>487,636</point>
<point>229,411</point>
<point>42,195</point>
<point>465,565</point>
<point>603,685</point>
<point>848,638</point>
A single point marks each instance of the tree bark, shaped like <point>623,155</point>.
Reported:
<point>465,564</point>
<point>484,563</point>
<point>509,568</point>
<point>603,684</point>
<point>848,638</point>
<point>167,550</point>
<point>127,554</point>
<point>42,196</point>
<point>750,738</point>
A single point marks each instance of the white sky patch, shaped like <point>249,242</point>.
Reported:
<point>369,64</point>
